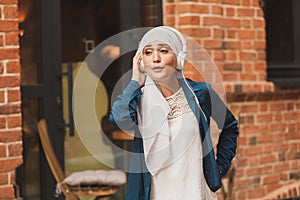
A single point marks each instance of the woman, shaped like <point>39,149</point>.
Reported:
<point>173,154</point>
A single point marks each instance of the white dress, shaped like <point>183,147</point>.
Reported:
<point>182,177</point>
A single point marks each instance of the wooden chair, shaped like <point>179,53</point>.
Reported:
<point>71,193</point>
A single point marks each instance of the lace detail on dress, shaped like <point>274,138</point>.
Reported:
<point>178,105</point>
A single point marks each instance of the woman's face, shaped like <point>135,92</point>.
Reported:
<point>159,60</point>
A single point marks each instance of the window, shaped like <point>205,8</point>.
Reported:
<point>283,41</point>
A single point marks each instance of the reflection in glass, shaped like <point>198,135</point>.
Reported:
<point>77,157</point>
<point>85,24</point>
<point>29,41</point>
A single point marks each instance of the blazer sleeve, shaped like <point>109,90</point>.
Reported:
<point>123,113</point>
<point>227,144</point>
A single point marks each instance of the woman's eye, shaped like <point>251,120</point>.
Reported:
<point>164,50</point>
<point>147,52</point>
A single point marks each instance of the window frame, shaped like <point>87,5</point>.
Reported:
<point>287,73</point>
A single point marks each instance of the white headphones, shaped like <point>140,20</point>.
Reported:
<point>181,56</point>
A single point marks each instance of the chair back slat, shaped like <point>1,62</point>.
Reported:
<point>51,157</point>
<point>49,151</point>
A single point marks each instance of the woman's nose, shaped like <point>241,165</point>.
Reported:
<point>156,57</point>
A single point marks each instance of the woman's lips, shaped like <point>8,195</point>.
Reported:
<point>157,68</point>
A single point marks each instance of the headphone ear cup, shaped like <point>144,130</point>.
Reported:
<point>181,60</point>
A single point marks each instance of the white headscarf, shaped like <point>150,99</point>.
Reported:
<point>163,34</point>
<point>153,109</point>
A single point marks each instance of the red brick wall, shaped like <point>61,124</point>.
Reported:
<point>269,143</point>
<point>233,32</point>
<point>10,100</point>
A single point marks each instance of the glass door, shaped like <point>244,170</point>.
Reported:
<point>28,179</point>
<point>84,25</point>
<point>41,94</point>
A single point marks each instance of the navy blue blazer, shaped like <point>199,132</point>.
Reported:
<point>124,115</point>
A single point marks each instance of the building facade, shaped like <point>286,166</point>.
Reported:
<point>261,82</point>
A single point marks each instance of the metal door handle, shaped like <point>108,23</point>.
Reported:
<point>69,75</point>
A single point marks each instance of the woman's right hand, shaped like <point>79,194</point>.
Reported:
<point>137,73</point>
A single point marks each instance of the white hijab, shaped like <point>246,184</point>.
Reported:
<point>153,109</point>
<point>163,34</point>
<point>153,125</point>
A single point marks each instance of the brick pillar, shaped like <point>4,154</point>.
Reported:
<point>10,98</point>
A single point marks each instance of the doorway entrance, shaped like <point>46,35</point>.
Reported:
<point>56,37</point>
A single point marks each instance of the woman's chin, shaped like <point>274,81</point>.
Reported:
<point>157,76</point>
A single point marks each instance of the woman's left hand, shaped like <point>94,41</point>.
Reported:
<point>138,74</point>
